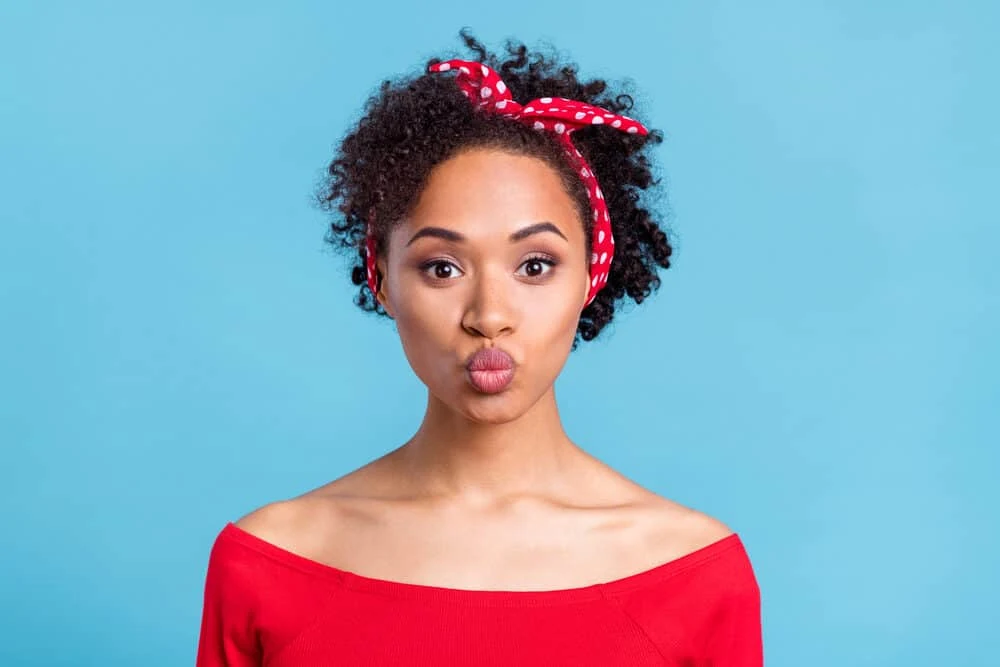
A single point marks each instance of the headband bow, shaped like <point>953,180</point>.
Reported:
<point>484,88</point>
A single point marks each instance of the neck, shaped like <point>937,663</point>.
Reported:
<point>451,456</point>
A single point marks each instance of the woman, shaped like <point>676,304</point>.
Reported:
<point>494,210</point>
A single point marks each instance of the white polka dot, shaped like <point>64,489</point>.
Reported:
<point>464,70</point>
<point>597,191</point>
<point>553,108</point>
<point>616,123</point>
<point>578,115</point>
<point>612,240</point>
<point>593,282</point>
<point>485,70</point>
<point>485,91</point>
<point>539,110</point>
<point>466,93</point>
<point>600,236</point>
<point>545,100</point>
<point>501,104</point>
<point>597,120</point>
<point>633,130</point>
<point>529,109</point>
<point>604,256</point>
<point>501,87</point>
<point>609,115</point>
<point>605,278</point>
<point>539,125</point>
<point>560,128</point>
<point>584,172</point>
<point>606,216</point>
<point>593,260</point>
<point>444,67</point>
<point>595,215</point>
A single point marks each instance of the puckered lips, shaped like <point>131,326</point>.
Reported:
<point>490,370</point>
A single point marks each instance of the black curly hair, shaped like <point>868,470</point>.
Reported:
<point>414,123</point>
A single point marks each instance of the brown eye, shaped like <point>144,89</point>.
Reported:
<point>440,269</point>
<point>535,267</point>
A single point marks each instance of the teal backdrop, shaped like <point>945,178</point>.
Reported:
<point>819,369</point>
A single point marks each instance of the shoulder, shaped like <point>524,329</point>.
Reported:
<point>297,524</point>
<point>314,522</point>
<point>669,522</point>
<point>271,519</point>
<point>689,530</point>
<point>703,528</point>
<point>681,529</point>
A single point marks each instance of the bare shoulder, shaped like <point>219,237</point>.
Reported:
<point>704,527</point>
<point>297,524</point>
<point>312,521</point>
<point>665,525</point>
<point>682,529</point>
<point>273,522</point>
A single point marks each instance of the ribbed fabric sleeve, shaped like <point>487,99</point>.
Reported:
<point>735,635</point>
<point>228,638</point>
<point>708,612</point>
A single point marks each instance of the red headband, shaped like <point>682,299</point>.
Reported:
<point>484,87</point>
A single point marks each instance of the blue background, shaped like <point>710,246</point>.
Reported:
<point>178,346</point>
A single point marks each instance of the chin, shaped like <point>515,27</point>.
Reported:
<point>500,408</point>
<point>492,414</point>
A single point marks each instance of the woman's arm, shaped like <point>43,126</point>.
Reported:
<point>227,636</point>
<point>735,638</point>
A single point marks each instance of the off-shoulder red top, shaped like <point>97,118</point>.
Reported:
<point>264,605</point>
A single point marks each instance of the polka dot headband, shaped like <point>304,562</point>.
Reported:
<point>561,116</point>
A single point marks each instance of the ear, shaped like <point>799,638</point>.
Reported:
<point>382,296</point>
<point>586,287</point>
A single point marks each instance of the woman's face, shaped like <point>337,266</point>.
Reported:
<point>492,256</point>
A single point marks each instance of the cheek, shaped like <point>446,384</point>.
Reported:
<point>553,331</point>
<point>426,331</point>
<point>422,310</point>
<point>547,328</point>
<point>556,309</point>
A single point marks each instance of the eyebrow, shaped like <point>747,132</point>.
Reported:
<point>519,235</point>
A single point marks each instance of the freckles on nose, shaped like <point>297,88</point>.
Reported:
<point>490,302</point>
<point>494,287</point>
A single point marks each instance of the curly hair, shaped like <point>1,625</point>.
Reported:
<point>414,123</point>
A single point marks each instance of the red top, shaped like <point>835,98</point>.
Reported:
<point>265,605</point>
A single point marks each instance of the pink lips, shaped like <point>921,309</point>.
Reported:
<point>490,370</point>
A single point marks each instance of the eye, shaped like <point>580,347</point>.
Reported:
<point>440,269</point>
<point>538,266</point>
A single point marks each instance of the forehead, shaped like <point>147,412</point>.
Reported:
<point>488,190</point>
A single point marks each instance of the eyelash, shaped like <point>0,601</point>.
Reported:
<point>551,262</point>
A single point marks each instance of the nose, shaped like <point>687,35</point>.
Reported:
<point>490,311</point>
